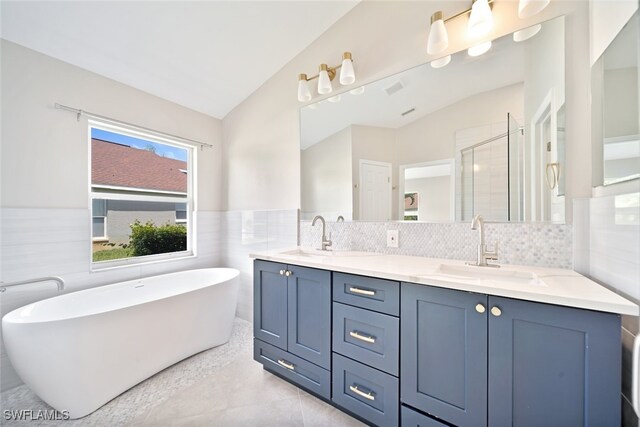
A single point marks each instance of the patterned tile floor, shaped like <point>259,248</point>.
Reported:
<point>219,387</point>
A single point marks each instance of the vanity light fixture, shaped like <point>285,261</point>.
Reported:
<point>480,23</point>
<point>479,49</point>
<point>325,75</point>
<point>527,33</point>
<point>480,19</point>
<point>440,62</point>
<point>528,8</point>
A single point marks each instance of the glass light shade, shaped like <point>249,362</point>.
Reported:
<point>527,8</point>
<point>357,91</point>
<point>526,34</point>
<point>324,83</point>
<point>335,98</point>
<point>479,49</point>
<point>440,62</point>
<point>347,75</point>
<point>304,94</point>
<point>481,19</point>
<point>438,38</point>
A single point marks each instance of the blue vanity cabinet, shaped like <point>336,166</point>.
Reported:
<point>443,353</point>
<point>292,323</point>
<point>475,360</point>
<point>552,365</point>
<point>270,303</point>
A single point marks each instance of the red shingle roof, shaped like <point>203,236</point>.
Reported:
<point>123,166</point>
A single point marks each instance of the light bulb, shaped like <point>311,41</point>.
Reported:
<point>526,34</point>
<point>527,8</point>
<point>304,94</point>
<point>440,62</point>
<point>357,91</point>
<point>324,82</point>
<point>481,19</point>
<point>438,37</point>
<point>347,75</point>
<point>479,49</point>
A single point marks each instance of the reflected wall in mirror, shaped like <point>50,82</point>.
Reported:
<point>615,108</point>
<point>483,135</point>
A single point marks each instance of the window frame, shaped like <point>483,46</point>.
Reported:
<point>98,192</point>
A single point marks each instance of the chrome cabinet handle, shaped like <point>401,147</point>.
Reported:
<point>282,272</point>
<point>288,273</point>
<point>362,291</point>
<point>364,338</point>
<point>496,311</point>
<point>480,308</point>
<point>356,390</point>
<point>286,364</point>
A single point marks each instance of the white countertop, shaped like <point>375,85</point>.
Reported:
<point>547,285</point>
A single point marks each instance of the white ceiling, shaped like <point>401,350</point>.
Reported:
<point>205,55</point>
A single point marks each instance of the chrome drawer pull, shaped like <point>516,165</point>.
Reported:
<point>356,390</point>
<point>362,291</point>
<point>364,338</point>
<point>286,364</point>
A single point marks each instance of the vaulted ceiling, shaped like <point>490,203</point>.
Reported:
<point>205,55</point>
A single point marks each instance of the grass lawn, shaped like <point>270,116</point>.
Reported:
<point>109,254</point>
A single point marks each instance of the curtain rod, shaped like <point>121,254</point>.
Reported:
<point>79,113</point>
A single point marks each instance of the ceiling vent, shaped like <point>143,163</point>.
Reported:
<point>397,86</point>
<point>408,112</point>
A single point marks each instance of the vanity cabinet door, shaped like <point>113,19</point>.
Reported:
<point>552,365</point>
<point>270,303</point>
<point>309,314</point>
<point>444,353</point>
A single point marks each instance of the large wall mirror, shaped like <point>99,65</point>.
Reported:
<point>482,135</point>
<point>615,108</point>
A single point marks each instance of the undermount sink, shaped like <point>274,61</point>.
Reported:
<point>317,253</point>
<point>493,274</point>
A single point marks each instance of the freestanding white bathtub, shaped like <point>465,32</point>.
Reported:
<point>80,350</point>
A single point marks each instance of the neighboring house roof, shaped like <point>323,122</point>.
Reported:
<point>119,165</point>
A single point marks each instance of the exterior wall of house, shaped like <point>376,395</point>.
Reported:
<point>121,214</point>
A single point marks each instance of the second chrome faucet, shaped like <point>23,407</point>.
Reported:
<point>477,223</point>
<point>325,242</point>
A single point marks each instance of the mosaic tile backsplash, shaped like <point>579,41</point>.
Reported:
<point>542,245</point>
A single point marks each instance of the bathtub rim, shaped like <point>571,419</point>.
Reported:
<point>13,317</point>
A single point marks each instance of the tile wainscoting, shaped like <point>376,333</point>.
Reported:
<point>56,242</point>
<point>244,232</point>
<point>542,245</point>
<point>607,249</point>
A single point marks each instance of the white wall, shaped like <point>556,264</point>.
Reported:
<point>326,177</point>
<point>606,19</point>
<point>45,219</point>
<point>434,197</point>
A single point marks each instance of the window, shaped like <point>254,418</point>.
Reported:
<point>99,214</point>
<point>141,196</point>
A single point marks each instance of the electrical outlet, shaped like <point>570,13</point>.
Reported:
<point>392,238</point>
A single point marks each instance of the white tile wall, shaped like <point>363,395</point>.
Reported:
<point>56,242</point>
<point>545,245</point>
<point>244,232</point>
<point>607,249</point>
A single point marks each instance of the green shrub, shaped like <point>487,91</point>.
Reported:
<point>149,239</point>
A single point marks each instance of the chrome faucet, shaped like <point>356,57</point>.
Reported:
<point>325,242</point>
<point>340,218</point>
<point>477,223</point>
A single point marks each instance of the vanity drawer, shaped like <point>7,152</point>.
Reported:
<point>366,392</point>
<point>366,292</point>
<point>306,374</point>
<point>411,418</point>
<point>369,337</point>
